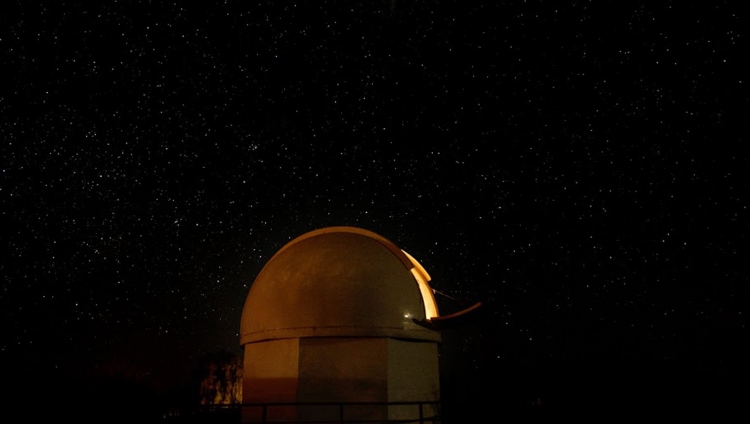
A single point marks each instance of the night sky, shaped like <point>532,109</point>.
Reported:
<point>576,166</point>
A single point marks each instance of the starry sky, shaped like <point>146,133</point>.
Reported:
<point>575,166</point>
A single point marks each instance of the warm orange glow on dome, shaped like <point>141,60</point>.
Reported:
<point>340,281</point>
<point>423,278</point>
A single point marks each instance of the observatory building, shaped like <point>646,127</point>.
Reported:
<point>338,326</point>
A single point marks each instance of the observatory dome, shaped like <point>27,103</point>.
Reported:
<point>340,282</point>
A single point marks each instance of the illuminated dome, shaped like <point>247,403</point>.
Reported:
<point>340,281</point>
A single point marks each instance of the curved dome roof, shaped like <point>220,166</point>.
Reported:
<point>339,281</point>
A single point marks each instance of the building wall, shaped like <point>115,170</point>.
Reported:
<point>270,374</point>
<point>340,369</point>
<point>343,370</point>
<point>413,375</point>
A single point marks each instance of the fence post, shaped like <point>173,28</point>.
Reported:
<point>341,413</point>
<point>421,414</point>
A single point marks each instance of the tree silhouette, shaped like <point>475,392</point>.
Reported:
<point>219,378</point>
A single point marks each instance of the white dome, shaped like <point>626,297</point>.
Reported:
<point>339,281</point>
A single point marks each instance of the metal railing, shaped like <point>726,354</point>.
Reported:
<point>328,412</point>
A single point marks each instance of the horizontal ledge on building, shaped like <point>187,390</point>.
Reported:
<point>417,333</point>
